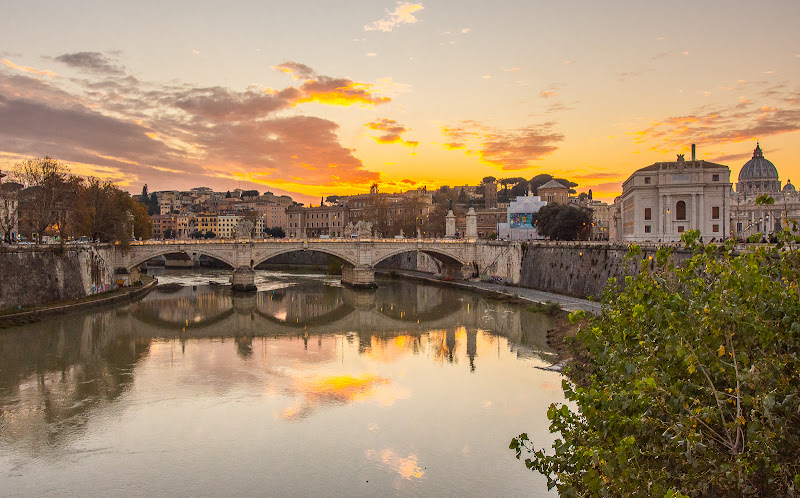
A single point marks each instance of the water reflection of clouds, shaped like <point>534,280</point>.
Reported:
<point>406,467</point>
<point>320,391</point>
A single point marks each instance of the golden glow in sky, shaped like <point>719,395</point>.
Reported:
<point>315,99</point>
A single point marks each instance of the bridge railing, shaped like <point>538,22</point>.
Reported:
<point>287,240</point>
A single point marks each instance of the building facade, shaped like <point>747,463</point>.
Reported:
<point>520,217</point>
<point>662,201</point>
<point>553,192</point>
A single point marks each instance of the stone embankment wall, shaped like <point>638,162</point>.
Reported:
<point>574,269</point>
<point>31,275</point>
<point>582,270</point>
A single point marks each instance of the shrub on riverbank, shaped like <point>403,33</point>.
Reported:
<point>548,308</point>
<point>693,384</point>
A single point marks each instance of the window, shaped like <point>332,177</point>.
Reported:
<point>647,180</point>
<point>680,228</point>
<point>680,210</point>
<point>714,178</point>
<point>647,229</point>
<point>739,227</point>
<point>715,228</point>
<point>715,213</point>
<point>648,214</point>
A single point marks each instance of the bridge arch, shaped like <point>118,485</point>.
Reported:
<point>344,255</point>
<point>139,256</point>
<point>444,257</point>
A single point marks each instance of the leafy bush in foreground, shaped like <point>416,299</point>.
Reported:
<point>694,385</point>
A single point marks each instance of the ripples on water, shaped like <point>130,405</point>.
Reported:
<point>305,387</point>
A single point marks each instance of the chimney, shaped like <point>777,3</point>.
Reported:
<point>694,158</point>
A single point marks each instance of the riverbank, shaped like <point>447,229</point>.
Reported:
<point>521,294</point>
<point>559,337</point>
<point>11,317</point>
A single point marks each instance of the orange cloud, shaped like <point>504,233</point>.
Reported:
<point>341,92</point>
<point>391,132</point>
<point>512,149</point>
<point>326,90</point>
<point>402,14</point>
<point>28,69</point>
<point>735,123</point>
<point>210,135</point>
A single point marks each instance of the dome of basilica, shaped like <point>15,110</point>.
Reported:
<point>758,175</point>
<point>758,168</point>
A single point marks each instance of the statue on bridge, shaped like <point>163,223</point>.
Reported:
<point>359,229</point>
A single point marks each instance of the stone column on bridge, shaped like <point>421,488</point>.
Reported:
<point>450,225</point>
<point>472,224</point>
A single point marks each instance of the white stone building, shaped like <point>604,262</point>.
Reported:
<point>663,200</point>
<point>519,225</point>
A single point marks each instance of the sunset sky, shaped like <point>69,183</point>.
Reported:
<point>316,98</point>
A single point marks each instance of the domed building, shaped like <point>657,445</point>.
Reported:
<point>759,177</point>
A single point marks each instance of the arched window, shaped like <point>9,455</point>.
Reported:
<point>680,210</point>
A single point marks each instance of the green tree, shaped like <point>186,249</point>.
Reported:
<point>560,222</point>
<point>693,385</point>
<point>539,180</point>
<point>488,179</point>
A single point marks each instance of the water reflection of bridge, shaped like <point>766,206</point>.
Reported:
<point>395,308</point>
<point>69,366</point>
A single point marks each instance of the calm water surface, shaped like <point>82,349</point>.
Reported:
<point>304,388</point>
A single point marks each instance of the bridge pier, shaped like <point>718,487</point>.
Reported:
<point>457,272</point>
<point>358,276</point>
<point>244,279</point>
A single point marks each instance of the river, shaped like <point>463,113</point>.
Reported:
<point>303,388</point>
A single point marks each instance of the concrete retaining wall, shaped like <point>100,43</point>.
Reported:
<point>32,276</point>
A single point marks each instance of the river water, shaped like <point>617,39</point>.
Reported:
<point>304,388</point>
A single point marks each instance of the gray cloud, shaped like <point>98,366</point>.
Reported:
<point>93,62</point>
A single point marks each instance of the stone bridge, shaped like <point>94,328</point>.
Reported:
<point>359,256</point>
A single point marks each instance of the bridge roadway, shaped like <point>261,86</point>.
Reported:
<point>360,256</point>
